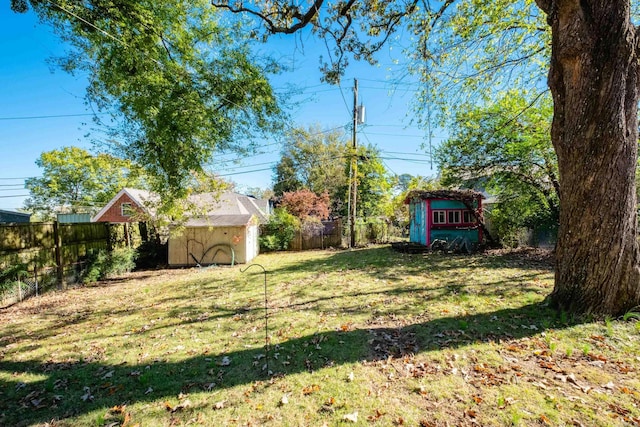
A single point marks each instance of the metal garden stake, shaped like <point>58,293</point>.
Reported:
<point>266,313</point>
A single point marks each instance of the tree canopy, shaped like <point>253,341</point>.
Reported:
<point>73,180</point>
<point>375,184</point>
<point>175,82</point>
<point>313,159</point>
<point>506,148</point>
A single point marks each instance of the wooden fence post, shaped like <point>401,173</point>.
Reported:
<point>107,228</point>
<point>58,249</point>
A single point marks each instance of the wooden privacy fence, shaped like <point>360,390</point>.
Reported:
<point>45,255</point>
<point>324,235</point>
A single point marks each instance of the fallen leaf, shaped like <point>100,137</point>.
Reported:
<point>351,417</point>
<point>477,399</point>
<point>350,377</point>
<point>376,415</point>
<point>118,409</point>
<point>108,375</point>
<point>310,389</point>
<point>87,395</point>
<point>225,361</point>
<point>545,420</point>
<point>149,390</point>
<point>219,405</point>
<point>284,400</point>
<point>183,405</point>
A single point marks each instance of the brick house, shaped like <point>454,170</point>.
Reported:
<point>129,205</point>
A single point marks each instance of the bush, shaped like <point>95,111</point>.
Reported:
<point>269,243</point>
<point>9,276</point>
<point>103,264</point>
<point>151,254</point>
<point>371,230</point>
<point>278,233</point>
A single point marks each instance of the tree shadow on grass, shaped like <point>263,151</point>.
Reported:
<point>383,260</point>
<point>66,390</point>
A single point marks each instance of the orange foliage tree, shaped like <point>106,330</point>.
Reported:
<point>305,204</point>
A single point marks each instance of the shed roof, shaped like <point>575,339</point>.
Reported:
<point>228,203</point>
<point>461,195</point>
<point>219,221</point>
<point>23,214</point>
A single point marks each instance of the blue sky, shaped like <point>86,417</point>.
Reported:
<point>43,109</point>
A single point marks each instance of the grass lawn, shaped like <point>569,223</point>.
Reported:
<point>363,337</point>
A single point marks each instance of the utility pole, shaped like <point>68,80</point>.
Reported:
<point>354,167</point>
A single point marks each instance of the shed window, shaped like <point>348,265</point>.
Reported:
<point>126,209</point>
<point>439,217</point>
<point>467,217</point>
<point>454,217</point>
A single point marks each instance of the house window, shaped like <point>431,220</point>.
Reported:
<point>439,217</point>
<point>126,209</point>
<point>454,217</point>
<point>467,217</point>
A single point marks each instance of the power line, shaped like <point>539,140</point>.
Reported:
<point>401,135</point>
<point>17,195</point>
<point>245,172</point>
<point>53,116</point>
<point>19,178</point>
<point>409,154</point>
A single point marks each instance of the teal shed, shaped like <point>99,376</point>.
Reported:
<point>444,215</point>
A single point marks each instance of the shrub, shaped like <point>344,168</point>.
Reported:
<point>9,276</point>
<point>103,264</point>
<point>269,243</point>
<point>279,231</point>
<point>151,254</point>
<point>371,230</point>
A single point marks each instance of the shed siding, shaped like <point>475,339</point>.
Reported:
<point>447,204</point>
<point>209,245</point>
<point>74,218</point>
<point>422,229</point>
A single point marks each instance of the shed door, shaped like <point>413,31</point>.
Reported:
<point>418,231</point>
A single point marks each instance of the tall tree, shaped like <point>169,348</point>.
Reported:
<point>315,160</point>
<point>375,184</point>
<point>175,82</point>
<point>593,78</point>
<point>75,180</point>
<point>506,148</point>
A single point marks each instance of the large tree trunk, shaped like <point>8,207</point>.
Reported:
<point>594,82</point>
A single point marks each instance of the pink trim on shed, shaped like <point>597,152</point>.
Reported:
<point>428,221</point>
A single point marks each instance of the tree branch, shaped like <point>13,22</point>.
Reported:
<point>273,27</point>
